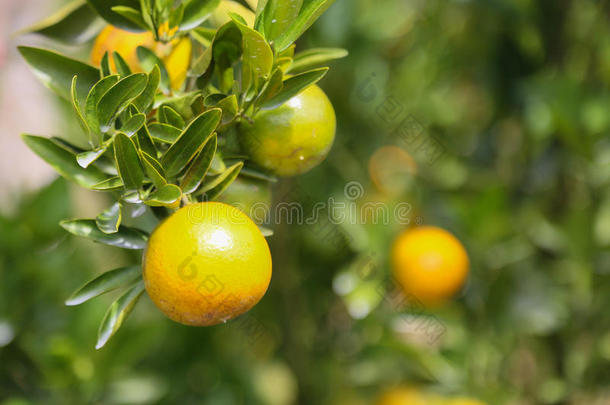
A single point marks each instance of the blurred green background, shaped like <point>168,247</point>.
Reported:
<point>488,118</point>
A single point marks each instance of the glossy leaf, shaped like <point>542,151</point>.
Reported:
<point>315,57</point>
<point>190,141</point>
<point>217,186</point>
<point>122,67</point>
<point>257,174</point>
<point>109,220</point>
<point>116,314</point>
<point>309,13</point>
<point>75,23</point>
<point>196,12</point>
<point>56,72</point>
<point>76,106</point>
<point>93,98</point>
<point>169,116</point>
<point>272,87</point>
<point>118,97</point>
<point>63,161</point>
<point>279,16</point>
<point>104,9</point>
<point>200,166</point>
<point>84,159</point>
<point>149,60</point>
<point>293,86</point>
<point>134,124</point>
<point>125,237</point>
<point>104,283</point>
<point>145,142</point>
<point>164,132</point>
<point>153,169</point>
<point>128,162</point>
<point>105,65</point>
<point>166,196</point>
<point>113,183</point>
<point>257,52</point>
<point>147,97</point>
<point>132,15</point>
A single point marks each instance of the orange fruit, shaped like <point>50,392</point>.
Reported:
<point>429,263</point>
<point>407,396</point>
<point>176,55</point>
<point>293,138</point>
<point>205,264</point>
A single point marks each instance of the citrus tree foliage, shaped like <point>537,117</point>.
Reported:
<point>149,145</point>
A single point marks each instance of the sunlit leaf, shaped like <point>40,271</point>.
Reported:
<point>110,219</point>
<point>293,86</point>
<point>196,12</point>
<point>166,196</point>
<point>104,283</point>
<point>314,57</point>
<point>104,9</point>
<point>125,237</point>
<point>200,166</point>
<point>128,161</point>
<point>118,98</point>
<point>218,185</point>
<point>116,314</point>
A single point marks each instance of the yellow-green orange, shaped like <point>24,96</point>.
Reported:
<point>429,263</point>
<point>407,396</point>
<point>205,264</point>
<point>176,55</point>
<point>293,138</point>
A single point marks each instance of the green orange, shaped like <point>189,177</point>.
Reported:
<point>293,138</point>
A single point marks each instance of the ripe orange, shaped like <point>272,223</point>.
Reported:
<point>176,55</point>
<point>294,137</point>
<point>429,263</point>
<point>206,264</point>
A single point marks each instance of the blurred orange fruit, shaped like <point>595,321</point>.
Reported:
<point>429,263</point>
<point>205,264</point>
<point>176,55</point>
<point>391,169</point>
<point>407,396</point>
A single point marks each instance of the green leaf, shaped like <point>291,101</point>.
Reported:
<point>104,9</point>
<point>128,161</point>
<point>132,15</point>
<point>122,67</point>
<point>147,97</point>
<point>314,57</point>
<point>293,86</point>
<point>229,108</point>
<point>272,86</point>
<point>169,116</point>
<point>279,16</point>
<point>110,219</point>
<point>116,314</point>
<point>257,52</point>
<point>76,107</point>
<point>153,169</point>
<point>309,13</point>
<point>75,23</point>
<point>105,65</point>
<point>118,97</point>
<point>56,72</point>
<point>113,183</point>
<point>93,98</point>
<point>190,141</point>
<point>196,12</point>
<point>84,159</point>
<point>104,283</point>
<point>218,185</point>
<point>148,60</point>
<point>200,166</point>
<point>145,142</point>
<point>257,174</point>
<point>63,161</point>
<point>126,238</point>
<point>134,124</point>
<point>164,132</point>
<point>165,196</point>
